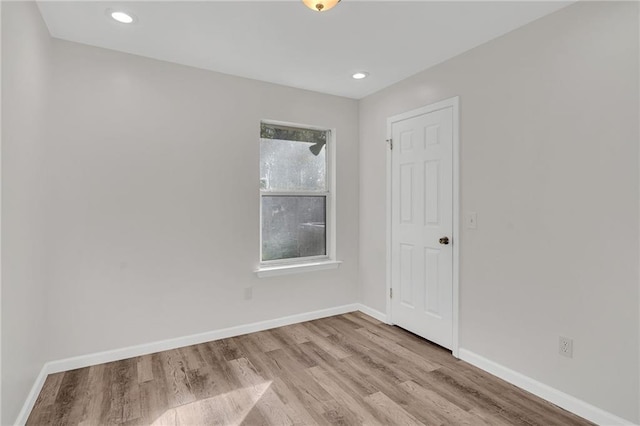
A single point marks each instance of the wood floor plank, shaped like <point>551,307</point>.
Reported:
<point>390,411</point>
<point>358,383</point>
<point>154,394</point>
<point>283,360</point>
<point>364,317</point>
<point>441,410</point>
<point>221,375</point>
<point>343,370</point>
<point>352,317</point>
<point>513,400</point>
<point>478,397</point>
<point>432,352</point>
<point>131,408</point>
<point>390,385</point>
<point>308,393</point>
<point>296,352</point>
<point>399,351</point>
<point>95,399</point>
<point>229,349</point>
<point>543,411</point>
<point>485,392</point>
<point>294,386</point>
<point>250,350</point>
<point>271,407</point>
<point>359,342</point>
<point>42,415</point>
<point>381,372</point>
<point>205,382</point>
<point>339,415</point>
<point>50,389</point>
<point>144,368</point>
<point>316,328</point>
<point>153,401</point>
<point>301,400</point>
<point>175,376</point>
<point>375,354</point>
<point>69,399</point>
<point>352,401</point>
<point>329,347</point>
<point>192,358</point>
<point>297,333</point>
<point>265,341</point>
<point>125,393</point>
<point>352,343</point>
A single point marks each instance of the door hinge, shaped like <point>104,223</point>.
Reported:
<point>390,142</point>
<point>390,293</point>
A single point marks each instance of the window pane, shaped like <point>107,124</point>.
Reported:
<point>293,227</point>
<point>286,133</point>
<point>293,164</point>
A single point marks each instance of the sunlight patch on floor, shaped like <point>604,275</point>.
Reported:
<point>229,408</point>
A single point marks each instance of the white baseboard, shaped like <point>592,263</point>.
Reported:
<point>194,339</point>
<point>561,399</point>
<point>372,313</point>
<point>149,348</point>
<point>23,415</point>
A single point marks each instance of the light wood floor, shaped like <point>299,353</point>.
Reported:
<point>348,369</point>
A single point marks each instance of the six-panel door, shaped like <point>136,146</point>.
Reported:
<point>422,214</point>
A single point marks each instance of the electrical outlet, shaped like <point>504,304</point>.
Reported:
<point>566,347</point>
<point>248,293</point>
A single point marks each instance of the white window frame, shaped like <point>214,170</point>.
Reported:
<point>308,263</point>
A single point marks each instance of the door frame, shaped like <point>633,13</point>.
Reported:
<point>453,103</point>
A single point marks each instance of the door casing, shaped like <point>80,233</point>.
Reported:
<point>447,103</point>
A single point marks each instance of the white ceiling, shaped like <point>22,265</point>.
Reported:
<point>284,42</point>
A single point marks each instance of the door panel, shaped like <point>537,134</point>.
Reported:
<point>406,274</point>
<point>406,194</point>
<point>432,281</point>
<point>422,213</point>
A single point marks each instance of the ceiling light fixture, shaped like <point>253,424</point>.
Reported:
<point>122,17</point>
<point>320,5</point>
<point>360,75</point>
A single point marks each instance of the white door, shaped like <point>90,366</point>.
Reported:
<point>422,224</point>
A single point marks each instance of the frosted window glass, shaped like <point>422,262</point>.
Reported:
<point>292,166</point>
<point>293,226</point>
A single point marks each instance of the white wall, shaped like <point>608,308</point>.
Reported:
<point>25,73</point>
<point>549,161</point>
<point>153,205</point>
<point>137,200</point>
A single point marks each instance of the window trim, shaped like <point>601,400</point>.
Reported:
<point>295,268</point>
<point>301,264</point>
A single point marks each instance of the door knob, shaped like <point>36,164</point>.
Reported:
<point>444,240</point>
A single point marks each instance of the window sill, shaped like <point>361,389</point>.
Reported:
<point>272,271</point>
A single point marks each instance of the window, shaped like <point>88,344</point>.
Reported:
<point>295,194</point>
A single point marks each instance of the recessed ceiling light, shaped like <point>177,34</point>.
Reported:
<point>360,75</point>
<point>122,17</point>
